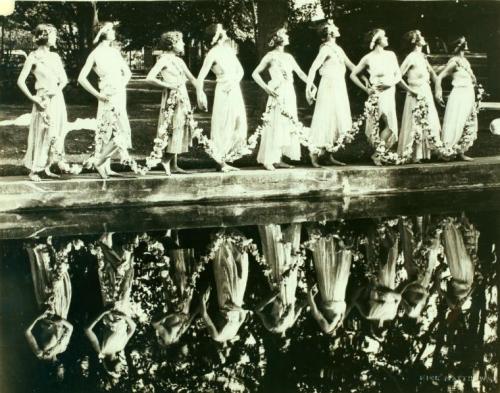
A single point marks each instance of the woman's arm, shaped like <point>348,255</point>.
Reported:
<point>317,63</point>
<point>408,63</point>
<point>31,339</point>
<point>131,327</point>
<point>152,77</point>
<point>89,331</point>
<point>296,68</point>
<point>448,70</point>
<point>84,82</point>
<point>264,63</point>
<point>127,74</point>
<point>21,80</point>
<point>266,301</point>
<point>188,73</point>
<point>205,69</point>
<point>355,75</point>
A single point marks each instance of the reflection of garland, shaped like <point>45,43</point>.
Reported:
<point>110,121</point>
<point>469,134</point>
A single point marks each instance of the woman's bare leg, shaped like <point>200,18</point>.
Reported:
<point>175,167</point>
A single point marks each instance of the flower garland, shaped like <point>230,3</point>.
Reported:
<point>469,134</point>
<point>109,121</point>
<point>383,155</point>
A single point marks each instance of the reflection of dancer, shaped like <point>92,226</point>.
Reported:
<point>279,312</point>
<point>332,262</point>
<point>382,65</point>
<point>174,74</point>
<point>175,322</point>
<point>116,272</point>
<point>414,236</point>
<point>53,294</point>
<point>229,121</point>
<point>231,276</point>
<point>332,113</point>
<point>114,74</point>
<point>379,300</point>
<point>419,72</point>
<point>461,101</point>
<point>48,117</point>
<point>277,139</point>
<point>460,240</point>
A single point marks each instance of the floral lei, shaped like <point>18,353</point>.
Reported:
<point>109,120</point>
<point>469,135</point>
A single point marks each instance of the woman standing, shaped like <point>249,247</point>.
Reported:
<point>48,117</point>
<point>280,311</point>
<point>231,276</point>
<point>278,139</point>
<point>113,133</point>
<point>460,105</point>
<point>174,74</point>
<point>332,113</point>
<point>229,121</point>
<point>419,72</point>
<point>332,262</point>
<point>53,292</point>
<point>179,316</point>
<point>382,66</point>
<point>116,272</point>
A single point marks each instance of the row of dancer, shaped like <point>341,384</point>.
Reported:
<point>332,253</point>
<point>281,133</point>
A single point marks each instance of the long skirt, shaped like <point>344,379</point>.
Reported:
<point>183,267</point>
<point>229,120</point>
<point>421,150</point>
<point>278,248</point>
<point>46,141</point>
<point>387,112</point>
<point>459,261</point>
<point>231,276</point>
<point>116,274</point>
<point>332,264</point>
<point>332,113</point>
<point>180,138</point>
<point>277,139</point>
<point>113,114</point>
<point>51,292</point>
<point>458,110</point>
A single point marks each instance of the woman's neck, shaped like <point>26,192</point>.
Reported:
<point>418,49</point>
<point>105,43</point>
<point>44,48</point>
<point>280,48</point>
<point>332,40</point>
<point>378,49</point>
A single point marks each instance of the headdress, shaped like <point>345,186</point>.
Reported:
<point>218,32</point>
<point>108,26</point>
<point>277,36</point>
<point>376,36</point>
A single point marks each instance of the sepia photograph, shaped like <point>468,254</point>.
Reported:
<point>249,196</point>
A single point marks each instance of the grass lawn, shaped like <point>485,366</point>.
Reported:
<point>143,105</point>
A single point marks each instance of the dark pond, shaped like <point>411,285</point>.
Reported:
<point>304,296</point>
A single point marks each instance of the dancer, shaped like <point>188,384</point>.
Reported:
<point>116,272</point>
<point>277,138</point>
<point>177,320</point>
<point>419,72</point>
<point>48,118</point>
<point>53,291</point>
<point>174,74</point>
<point>382,66</point>
<point>460,105</point>
<point>229,121</point>
<point>421,248</point>
<point>280,311</point>
<point>332,112</point>
<point>113,134</point>
<point>231,276</point>
<point>332,262</point>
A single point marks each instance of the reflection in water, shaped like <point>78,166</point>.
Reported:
<point>397,301</point>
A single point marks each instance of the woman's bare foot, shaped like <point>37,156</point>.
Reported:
<point>34,177</point>
<point>49,173</point>
<point>176,169</point>
<point>228,168</point>
<point>333,161</point>
<point>314,160</point>
<point>465,158</point>
<point>166,168</point>
<point>269,167</point>
<point>282,164</point>
<point>376,160</point>
<point>101,171</point>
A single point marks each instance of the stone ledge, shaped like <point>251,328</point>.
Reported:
<point>19,193</point>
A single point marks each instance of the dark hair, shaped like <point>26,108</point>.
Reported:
<point>274,39</point>
<point>459,44</point>
<point>369,36</point>
<point>42,32</point>
<point>209,34</point>
<point>99,27</point>
<point>324,31</point>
